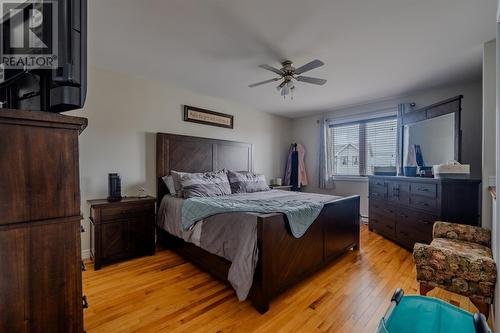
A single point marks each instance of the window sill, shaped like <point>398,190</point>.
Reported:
<point>350,178</point>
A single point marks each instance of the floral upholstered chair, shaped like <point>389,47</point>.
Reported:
<point>459,260</point>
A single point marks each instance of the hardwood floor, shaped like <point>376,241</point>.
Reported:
<point>165,293</point>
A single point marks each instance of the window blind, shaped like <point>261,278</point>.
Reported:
<point>356,148</point>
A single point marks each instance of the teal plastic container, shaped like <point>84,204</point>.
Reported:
<point>420,314</point>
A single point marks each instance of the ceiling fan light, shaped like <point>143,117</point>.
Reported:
<point>285,90</point>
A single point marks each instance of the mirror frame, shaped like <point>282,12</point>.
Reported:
<point>451,105</point>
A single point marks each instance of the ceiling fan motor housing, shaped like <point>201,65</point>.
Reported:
<point>288,68</point>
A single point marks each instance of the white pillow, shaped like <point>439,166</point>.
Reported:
<point>169,181</point>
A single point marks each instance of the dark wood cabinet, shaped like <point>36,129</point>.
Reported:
<point>404,209</point>
<point>121,229</point>
<point>40,261</point>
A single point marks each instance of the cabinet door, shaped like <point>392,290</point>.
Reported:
<point>398,193</point>
<point>377,189</point>
<point>114,240</point>
<point>140,235</point>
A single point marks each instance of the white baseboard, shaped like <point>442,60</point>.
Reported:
<point>492,181</point>
<point>86,254</point>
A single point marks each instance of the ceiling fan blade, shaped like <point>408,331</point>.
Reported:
<point>263,82</point>
<point>313,80</point>
<point>309,66</point>
<point>272,69</point>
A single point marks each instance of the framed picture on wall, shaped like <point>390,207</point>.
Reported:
<point>207,117</point>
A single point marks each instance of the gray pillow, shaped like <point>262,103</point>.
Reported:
<point>247,182</point>
<point>176,177</point>
<point>207,184</point>
<point>169,181</point>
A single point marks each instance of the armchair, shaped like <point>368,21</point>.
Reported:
<point>459,260</point>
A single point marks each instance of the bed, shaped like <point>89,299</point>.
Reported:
<point>283,260</point>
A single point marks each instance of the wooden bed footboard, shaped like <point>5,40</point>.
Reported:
<point>283,259</point>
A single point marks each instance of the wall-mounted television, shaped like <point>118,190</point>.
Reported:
<point>43,50</point>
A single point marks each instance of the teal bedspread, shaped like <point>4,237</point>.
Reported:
<point>301,209</point>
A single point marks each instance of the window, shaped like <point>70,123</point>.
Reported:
<point>356,148</point>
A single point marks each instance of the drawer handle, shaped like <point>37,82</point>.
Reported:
<point>82,229</point>
<point>85,304</point>
<point>425,204</point>
<point>84,268</point>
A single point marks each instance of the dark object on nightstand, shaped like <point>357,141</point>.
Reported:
<point>114,187</point>
<point>41,272</point>
<point>281,187</point>
<point>122,229</point>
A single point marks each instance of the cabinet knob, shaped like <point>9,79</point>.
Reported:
<point>85,304</point>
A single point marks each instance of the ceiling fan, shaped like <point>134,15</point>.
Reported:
<point>289,74</point>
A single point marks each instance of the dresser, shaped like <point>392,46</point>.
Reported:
<point>404,209</point>
<point>40,261</point>
<point>121,229</point>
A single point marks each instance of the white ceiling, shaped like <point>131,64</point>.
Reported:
<point>372,48</point>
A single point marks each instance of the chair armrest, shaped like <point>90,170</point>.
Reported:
<point>462,232</point>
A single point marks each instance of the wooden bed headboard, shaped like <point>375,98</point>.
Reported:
<point>194,154</point>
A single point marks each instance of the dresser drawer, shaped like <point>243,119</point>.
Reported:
<point>384,226</point>
<point>382,210</point>
<point>420,222</point>
<point>424,203</point>
<point>118,212</point>
<point>426,190</point>
<point>409,236</point>
<point>376,195</point>
<point>377,190</point>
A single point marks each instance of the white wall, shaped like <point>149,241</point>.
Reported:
<point>489,121</point>
<point>124,115</point>
<point>305,131</point>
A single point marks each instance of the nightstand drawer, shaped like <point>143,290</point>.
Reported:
<point>121,211</point>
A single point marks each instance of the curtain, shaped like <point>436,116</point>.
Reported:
<point>325,182</point>
<point>403,108</point>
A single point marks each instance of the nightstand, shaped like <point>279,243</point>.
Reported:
<point>281,187</point>
<point>122,229</point>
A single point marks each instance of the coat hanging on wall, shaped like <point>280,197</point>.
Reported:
<point>295,173</point>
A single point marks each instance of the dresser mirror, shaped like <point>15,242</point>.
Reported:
<point>431,135</point>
